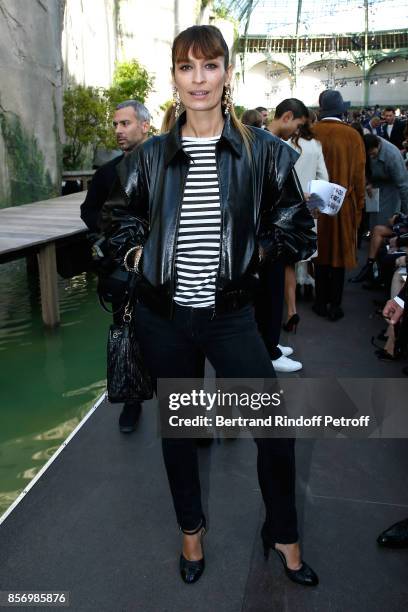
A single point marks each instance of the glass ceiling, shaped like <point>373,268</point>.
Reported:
<point>278,17</point>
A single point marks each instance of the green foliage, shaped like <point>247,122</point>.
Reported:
<point>88,111</point>
<point>30,181</point>
<point>85,120</point>
<point>131,81</point>
<point>221,11</point>
<point>239,110</point>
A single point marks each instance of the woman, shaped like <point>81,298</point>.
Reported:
<point>309,166</point>
<point>252,117</point>
<point>202,202</point>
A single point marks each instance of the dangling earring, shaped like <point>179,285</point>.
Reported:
<point>176,101</point>
<point>227,100</point>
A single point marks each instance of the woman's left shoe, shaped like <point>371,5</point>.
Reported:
<point>292,323</point>
<point>304,575</point>
<point>191,571</point>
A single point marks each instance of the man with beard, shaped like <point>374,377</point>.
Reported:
<point>131,123</point>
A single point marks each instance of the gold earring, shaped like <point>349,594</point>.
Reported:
<point>176,101</point>
<point>227,100</point>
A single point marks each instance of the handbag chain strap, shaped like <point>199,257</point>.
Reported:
<point>127,315</point>
<point>135,268</point>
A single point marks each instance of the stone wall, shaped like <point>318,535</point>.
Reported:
<point>47,44</point>
<point>98,33</point>
<point>30,99</point>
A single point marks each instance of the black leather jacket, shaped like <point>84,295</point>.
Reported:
<point>262,210</point>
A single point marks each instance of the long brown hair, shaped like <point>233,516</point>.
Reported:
<point>304,131</point>
<point>203,41</point>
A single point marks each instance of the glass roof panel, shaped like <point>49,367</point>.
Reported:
<point>278,17</point>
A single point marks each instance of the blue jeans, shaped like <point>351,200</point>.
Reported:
<point>231,342</point>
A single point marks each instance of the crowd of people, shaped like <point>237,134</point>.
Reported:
<point>378,176</point>
<point>215,211</point>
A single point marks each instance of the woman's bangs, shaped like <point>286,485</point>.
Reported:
<point>201,47</point>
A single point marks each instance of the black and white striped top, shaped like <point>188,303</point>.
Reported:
<point>198,240</point>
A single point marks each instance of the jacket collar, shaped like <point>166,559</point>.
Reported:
<point>173,145</point>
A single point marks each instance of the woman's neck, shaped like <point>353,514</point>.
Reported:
<point>203,124</point>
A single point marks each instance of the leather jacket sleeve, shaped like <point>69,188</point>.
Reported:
<point>124,215</point>
<point>286,226</point>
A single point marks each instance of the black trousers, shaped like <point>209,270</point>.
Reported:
<point>329,285</point>
<point>232,344</point>
<point>269,305</point>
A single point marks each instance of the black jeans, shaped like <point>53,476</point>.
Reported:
<point>269,305</point>
<point>232,344</point>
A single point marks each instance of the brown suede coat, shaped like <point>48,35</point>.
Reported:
<point>344,154</point>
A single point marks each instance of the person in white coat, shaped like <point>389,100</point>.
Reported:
<point>309,166</point>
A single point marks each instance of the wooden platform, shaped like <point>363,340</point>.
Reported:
<point>36,228</point>
<point>78,175</point>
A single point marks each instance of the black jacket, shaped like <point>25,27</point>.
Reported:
<point>97,193</point>
<point>397,133</point>
<point>261,206</point>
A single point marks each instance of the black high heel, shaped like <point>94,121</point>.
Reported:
<point>304,575</point>
<point>191,571</point>
<point>292,323</point>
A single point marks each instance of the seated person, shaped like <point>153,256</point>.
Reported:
<point>396,231</point>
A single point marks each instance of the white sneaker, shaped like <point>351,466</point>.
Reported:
<point>284,364</point>
<point>285,350</point>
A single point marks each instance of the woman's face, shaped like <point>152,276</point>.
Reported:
<point>200,82</point>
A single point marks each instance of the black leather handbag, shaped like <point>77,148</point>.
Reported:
<point>127,376</point>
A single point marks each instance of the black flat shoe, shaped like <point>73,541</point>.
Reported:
<point>395,536</point>
<point>129,417</point>
<point>191,571</point>
<point>304,575</point>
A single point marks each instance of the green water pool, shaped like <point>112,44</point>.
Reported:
<point>49,380</point>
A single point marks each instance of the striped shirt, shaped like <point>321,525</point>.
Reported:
<point>198,240</point>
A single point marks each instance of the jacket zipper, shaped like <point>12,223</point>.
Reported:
<point>173,263</point>
<point>221,229</point>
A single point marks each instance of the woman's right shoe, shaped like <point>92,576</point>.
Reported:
<point>292,323</point>
<point>285,364</point>
<point>304,575</point>
<point>191,571</point>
